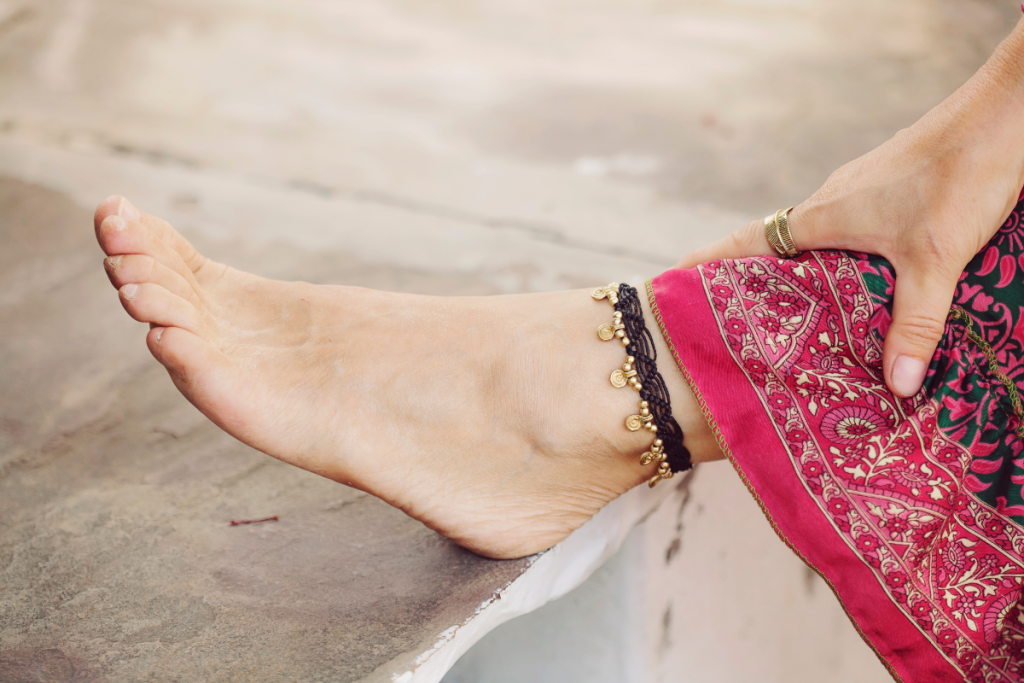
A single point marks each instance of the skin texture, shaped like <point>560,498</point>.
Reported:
<point>490,419</point>
<point>927,200</point>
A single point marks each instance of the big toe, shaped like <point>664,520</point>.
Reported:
<point>199,370</point>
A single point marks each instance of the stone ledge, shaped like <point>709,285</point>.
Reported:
<point>117,557</point>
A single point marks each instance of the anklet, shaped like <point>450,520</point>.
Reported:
<point>641,373</point>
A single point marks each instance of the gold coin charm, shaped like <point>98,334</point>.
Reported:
<point>629,375</point>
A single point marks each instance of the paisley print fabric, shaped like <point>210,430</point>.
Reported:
<point>912,510</point>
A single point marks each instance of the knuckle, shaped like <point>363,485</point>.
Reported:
<point>753,234</point>
<point>805,219</point>
<point>736,241</point>
<point>834,187</point>
<point>921,330</point>
<point>929,245</point>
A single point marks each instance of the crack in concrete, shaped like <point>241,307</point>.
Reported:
<point>542,232</point>
<point>156,157</point>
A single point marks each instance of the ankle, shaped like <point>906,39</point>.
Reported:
<point>585,418</point>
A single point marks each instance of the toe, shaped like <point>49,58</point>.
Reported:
<point>172,238</point>
<point>151,303</point>
<point>129,269</point>
<point>199,370</point>
<point>120,207</point>
<point>115,205</point>
<point>183,352</point>
<point>118,237</point>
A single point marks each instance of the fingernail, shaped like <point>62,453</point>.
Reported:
<point>116,222</point>
<point>129,291</point>
<point>128,212</point>
<point>908,375</point>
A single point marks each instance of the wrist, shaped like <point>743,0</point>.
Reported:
<point>979,123</point>
<point>992,99</point>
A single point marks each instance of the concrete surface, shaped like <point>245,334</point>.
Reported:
<point>117,557</point>
<point>439,146</point>
<point>117,560</point>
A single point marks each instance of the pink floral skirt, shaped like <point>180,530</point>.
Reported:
<point>911,510</point>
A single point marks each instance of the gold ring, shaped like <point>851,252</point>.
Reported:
<point>782,219</point>
<point>771,232</point>
<point>776,230</point>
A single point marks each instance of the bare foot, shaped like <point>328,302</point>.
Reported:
<point>489,419</point>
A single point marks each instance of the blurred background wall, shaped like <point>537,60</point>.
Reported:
<point>477,147</point>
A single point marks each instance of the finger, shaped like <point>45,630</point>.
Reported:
<point>920,308</point>
<point>747,241</point>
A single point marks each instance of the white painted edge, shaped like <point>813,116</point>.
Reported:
<point>551,575</point>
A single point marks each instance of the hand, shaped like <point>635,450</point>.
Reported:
<point>927,200</point>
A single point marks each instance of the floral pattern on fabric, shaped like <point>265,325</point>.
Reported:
<point>927,492</point>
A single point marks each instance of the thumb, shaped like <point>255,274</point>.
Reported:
<point>747,241</point>
<point>920,307</point>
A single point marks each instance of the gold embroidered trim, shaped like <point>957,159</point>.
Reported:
<point>993,366</point>
<point>720,438</point>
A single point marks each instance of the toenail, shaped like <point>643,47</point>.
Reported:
<point>114,262</point>
<point>129,291</point>
<point>159,334</point>
<point>116,222</point>
<point>128,212</point>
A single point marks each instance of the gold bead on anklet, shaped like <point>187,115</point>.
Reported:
<point>627,375</point>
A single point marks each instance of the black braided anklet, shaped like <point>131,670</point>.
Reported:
<point>641,373</point>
